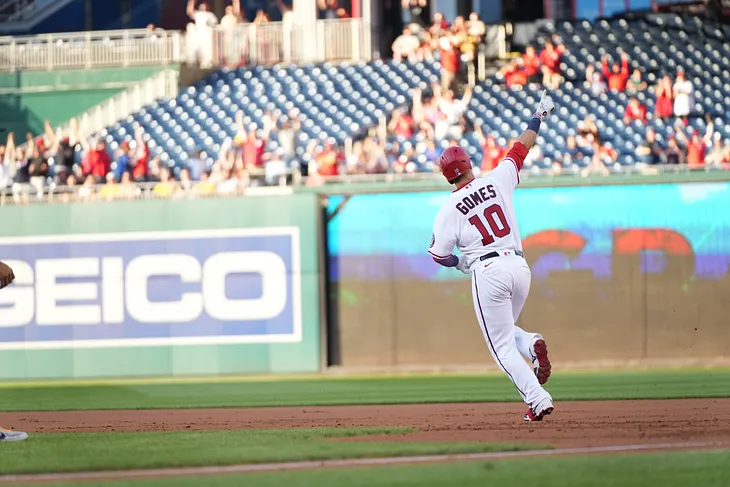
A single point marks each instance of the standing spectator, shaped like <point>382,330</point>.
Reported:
<point>683,97</point>
<point>696,151</point>
<point>111,189</point>
<point>515,74</point>
<point>550,59</point>
<point>401,124</point>
<point>197,166</point>
<point>649,151</point>
<point>405,46</point>
<point>531,63</point>
<point>327,9</point>
<point>328,160</point>
<point>37,170</point>
<point>205,22</point>
<point>587,132</point>
<point>254,147</point>
<point>664,98</point>
<point>634,111</point>
<point>140,157</point>
<point>123,162</point>
<point>96,162</point>
<point>594,81</point>
<point>287,136</point>
<point>636,83</point>
<point>232,43</point>
<point>454,110</point>
<point>618,76</point>
<point>439,24</point>
<point>450,63</point>
<point>167,185</point>
<point>719,155</point>
<point>476,28</point>
<point>674,154</point>
<point>492,154</point>
<point>416,12</point>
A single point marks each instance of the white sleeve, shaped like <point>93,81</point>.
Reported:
<point>507,172</point>
<point>443,238</point>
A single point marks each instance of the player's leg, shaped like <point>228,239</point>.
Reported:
<point>492,290</point>
<point>531,345</point>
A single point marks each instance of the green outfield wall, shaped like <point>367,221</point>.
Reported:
<point>161,288</point>
<point>27,98</point>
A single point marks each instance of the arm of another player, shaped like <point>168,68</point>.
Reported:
<point>443,240</point>
<point>508,170</point>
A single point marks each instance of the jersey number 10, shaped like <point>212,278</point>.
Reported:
<point>499,229</point>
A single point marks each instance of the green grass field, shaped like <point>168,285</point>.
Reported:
<point>676,469</point>
<point>364,390</point>
<point>118,451</point>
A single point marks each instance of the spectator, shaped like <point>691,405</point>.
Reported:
<point>186,184</point>
<point>492,154</point>
<point>649,151</point>
<point>111,189</point>
<point>140,157</point>
<point>514,74</point>
<point>571,154</point>
<point>197,166</point>
<point>405,46</point>
<point>453,111</point>
<point>287,136</point>
<point>127,189</point>
<point>634,111</point>
<point>327,161</point>
<point>8,167</point>
<point>664,97</point>
<point>719,155</point>
<point>683,97</point>
<point>123,162</point>
<point>37,169</point>
<point>415,11</point>
<point>674,154</point>
<point>202,35</point>
<point>327,9</point>
<point>439,24</point>
<point>618,76</point>
<point>636,84</point>
<point>594,81</point>
<point>696,151</point>
<point>96,162</point>
<point>373,152</point>
<point>476,28</point>
<point>232,43</point>
<point>587,132</point>
<point>601,155</point>
<point>401,124</point>
<point>550,59</point>
<point>261,18</point>
<point>531,63</point>
<point>167,185</point>
<point>450,63</point>
<point>254,147</point>
<point>86,191</point>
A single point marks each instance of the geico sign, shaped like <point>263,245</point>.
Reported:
<point>43,292</point>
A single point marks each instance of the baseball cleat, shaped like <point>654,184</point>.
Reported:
<point>540,360</point>
<point>539,412</point>
<point>12,435</point>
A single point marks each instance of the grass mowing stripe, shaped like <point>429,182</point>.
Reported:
<point>120,451</point>
<point>672,469</point>
<point>381,390</point>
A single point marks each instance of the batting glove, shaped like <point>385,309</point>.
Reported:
<point>545,107</point>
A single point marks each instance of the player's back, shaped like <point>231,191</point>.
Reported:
<point>480,216</point>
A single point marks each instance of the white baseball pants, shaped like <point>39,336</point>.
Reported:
<point>500,286</point>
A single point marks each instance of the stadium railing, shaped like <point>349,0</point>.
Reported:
<point>274,42</point>
<point>288,181</point>
<point>91,50</point>
<point>278,42</point>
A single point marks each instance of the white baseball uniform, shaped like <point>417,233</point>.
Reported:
<point>479,219</point>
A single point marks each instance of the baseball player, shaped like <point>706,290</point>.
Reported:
<point>479,219</point>
<point>6,278</point>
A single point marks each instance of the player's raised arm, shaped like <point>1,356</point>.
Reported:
<point>529,136</point>
<point>507,173</point>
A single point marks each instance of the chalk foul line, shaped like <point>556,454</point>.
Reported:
<point>353,462</point>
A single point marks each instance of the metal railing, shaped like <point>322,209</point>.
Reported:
<point>91,49</point>
<point>284,182</point>
<point>278,42</point>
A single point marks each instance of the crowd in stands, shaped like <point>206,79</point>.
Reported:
<point>235,49</point>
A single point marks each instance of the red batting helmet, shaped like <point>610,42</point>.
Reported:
<point>454,162</point>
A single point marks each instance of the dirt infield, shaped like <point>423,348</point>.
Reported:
<point>573,424</point>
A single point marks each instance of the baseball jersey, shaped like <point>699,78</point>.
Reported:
<point>479,218</point>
